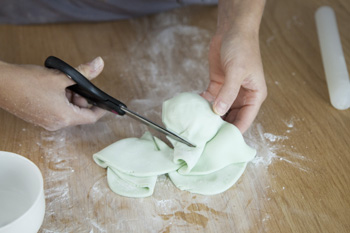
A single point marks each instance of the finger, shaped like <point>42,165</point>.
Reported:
<point>92,69</point>
<point>245,97</point>
<point>89,70</point>
<point>208,96</point>
<point>212,91</point>
<point>99,112</point>
<point>244,117</point>
<point>227,93</point>
<point>91,115</point>
<point>80,101</point>
<point>69,95</point>
<point>76,99</point>
<point>215,71</point>
<point>231,115</point>
<point>86,115</point>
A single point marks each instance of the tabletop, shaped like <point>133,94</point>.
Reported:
<point>299,180</point>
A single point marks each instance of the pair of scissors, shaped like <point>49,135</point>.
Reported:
<point>97,97</point>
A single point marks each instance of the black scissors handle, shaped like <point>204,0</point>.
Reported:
<point>85,88</point>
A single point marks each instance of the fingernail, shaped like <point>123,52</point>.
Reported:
<point>96,64</point>
<point>220,108</point>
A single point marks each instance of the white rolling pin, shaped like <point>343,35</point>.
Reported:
<point>337,75</point>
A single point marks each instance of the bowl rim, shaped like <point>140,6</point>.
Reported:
<point>40,192</point>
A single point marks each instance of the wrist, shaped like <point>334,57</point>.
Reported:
<point>241,16</point>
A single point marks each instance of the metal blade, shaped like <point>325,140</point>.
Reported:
<point>155,126</point>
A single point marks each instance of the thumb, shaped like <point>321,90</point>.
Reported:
<point>89,70</point>
<point>227,95</point>
<point>92,69</point>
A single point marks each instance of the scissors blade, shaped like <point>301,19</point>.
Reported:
<point>155,126</point>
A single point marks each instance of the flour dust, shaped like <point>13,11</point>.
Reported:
<point>153,59</point>
<point>272,147</point>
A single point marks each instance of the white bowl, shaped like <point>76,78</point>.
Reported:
<point>22,201</point>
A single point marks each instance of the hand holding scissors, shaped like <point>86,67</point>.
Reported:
<point>97,97</point>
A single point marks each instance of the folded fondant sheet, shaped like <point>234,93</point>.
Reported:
<point>213,166</point>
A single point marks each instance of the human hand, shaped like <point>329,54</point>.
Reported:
<point>237,85</point>
<point>39,95</point>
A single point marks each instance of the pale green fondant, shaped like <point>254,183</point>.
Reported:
<point>213,166</point>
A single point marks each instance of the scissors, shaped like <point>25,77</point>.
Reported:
<point>97,97</point>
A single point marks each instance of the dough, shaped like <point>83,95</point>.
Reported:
<point>213,166</point>
<point>212,183</point>
<point>133,164</point>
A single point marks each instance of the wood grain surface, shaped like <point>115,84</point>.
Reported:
<point>299,181</point>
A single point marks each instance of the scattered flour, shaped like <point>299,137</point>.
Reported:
<point>270,147</point>
<point>168,209</point>
<point>274,138</point>
<point>290,123</point>
<point>295,21</point>
<point>152,61</point>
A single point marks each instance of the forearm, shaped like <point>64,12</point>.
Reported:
<point>38,95</point>
<point>243,15</point>
<point>237,86</point>
<point>4,84</point>
<point>13,89</point>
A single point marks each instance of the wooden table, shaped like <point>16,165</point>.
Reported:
<point>299,181</point>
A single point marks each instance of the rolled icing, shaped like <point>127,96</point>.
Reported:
<point>213,166</point>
